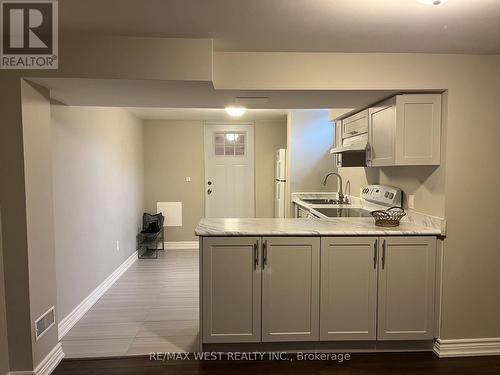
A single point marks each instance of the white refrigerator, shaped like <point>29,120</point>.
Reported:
<point>279,183</point>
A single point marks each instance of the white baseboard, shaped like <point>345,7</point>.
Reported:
<point>74,316</point>
<point>50,362</point>
<point>181,245</point>
<point>47,365</point>
<point>467,347</point>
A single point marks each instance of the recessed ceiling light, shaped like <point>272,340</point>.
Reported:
<point>235,111</point>
<point>432,2</point>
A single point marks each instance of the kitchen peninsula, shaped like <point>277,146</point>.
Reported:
<point>319,283</point>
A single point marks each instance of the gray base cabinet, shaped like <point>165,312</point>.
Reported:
<point>348,288</point>
<point>231,290</point>
<point>406,279</point>
<point>377,288</point>
<point>277,289</point>
<point>290,289</point>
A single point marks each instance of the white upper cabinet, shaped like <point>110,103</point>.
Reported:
<point>355,125</point>
<point>405,130</point>
<point>382,134</point>
<point>418,129</point>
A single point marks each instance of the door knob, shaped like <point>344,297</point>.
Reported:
<point>209,183</point>
<point>209,191</point>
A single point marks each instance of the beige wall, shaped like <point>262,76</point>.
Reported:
<point>426,183</point>
<point>4,343</point>
<point>39,213</point>
<point>470,308</point>
<point>269,137</point>
<point>14,231</point>
<point>107,56</point>
<point>174,150</point>
<point>98,178</point>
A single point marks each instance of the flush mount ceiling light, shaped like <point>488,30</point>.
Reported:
<point>432,2</point>
<point>235,111</point>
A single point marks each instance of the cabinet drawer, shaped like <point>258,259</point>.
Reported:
<point>355,125</point>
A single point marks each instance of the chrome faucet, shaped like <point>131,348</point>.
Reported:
<point>339,193</point>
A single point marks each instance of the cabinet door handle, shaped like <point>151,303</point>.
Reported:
<point>369,155</point>
<point>264,254</point>
<point>375,248</point>
<point>383,254</point>
<point>255,255</point>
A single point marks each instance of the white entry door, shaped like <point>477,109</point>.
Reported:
<point>229,170</point>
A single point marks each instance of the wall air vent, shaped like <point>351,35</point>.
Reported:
<point>45,322</point>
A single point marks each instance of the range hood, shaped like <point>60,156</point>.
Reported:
<point>354,151</point>
<point>354,144</point>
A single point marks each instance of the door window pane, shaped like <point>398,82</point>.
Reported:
<point>229,143</point>
<point>219,151</point>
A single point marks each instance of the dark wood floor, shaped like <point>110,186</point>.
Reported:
<point>359,364</point>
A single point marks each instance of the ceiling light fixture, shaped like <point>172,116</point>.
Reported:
<point>235,111</point>
<point>432,2</point>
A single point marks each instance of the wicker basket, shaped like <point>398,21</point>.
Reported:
<point>388,218</point>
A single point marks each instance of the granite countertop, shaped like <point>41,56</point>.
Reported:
<point>413,219</point>
<point>308,227</point>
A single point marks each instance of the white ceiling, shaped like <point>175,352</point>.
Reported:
<point>457,26</point>
<point>205,114</point>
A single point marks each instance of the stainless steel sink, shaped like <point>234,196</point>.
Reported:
<point>322,201</point>
<point>344,212</point>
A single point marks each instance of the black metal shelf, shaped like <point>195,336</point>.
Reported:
<point>148,244</point>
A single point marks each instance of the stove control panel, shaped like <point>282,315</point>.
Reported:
<point>386,195</point>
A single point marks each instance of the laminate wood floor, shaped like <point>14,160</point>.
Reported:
<point>152,307</point>
<point>359,364</point>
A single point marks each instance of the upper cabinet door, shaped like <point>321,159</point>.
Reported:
<point>290,289</point>
<point>355,125</point>
<point>231,287</point>
<point>405,130</point>
<point>418,134</point>
<point>406,288</point>
<point>382,134</point>
<point>348,308</point>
